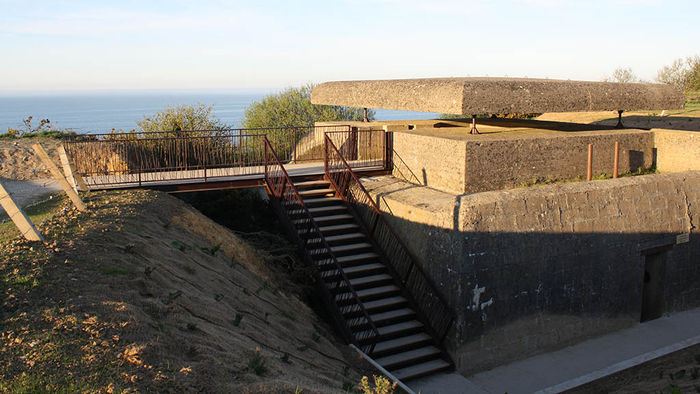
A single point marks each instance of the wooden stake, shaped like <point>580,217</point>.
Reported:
<point>616,162</point>
<point>589,175</point>
<point>19,218</point>
<point>60,178</point>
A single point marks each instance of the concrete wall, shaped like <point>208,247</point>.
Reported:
<point>530,270</point>
<point>677,150</point>
<point>486,163</point>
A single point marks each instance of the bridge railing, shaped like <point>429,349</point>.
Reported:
<point>141,158</point>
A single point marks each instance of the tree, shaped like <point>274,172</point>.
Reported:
<point>682,73</point>
<point>622,75</point>
<point>181,118</point>
<point>293,107</point>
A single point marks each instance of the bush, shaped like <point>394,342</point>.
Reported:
<point>181,118</point>
<point>293,108</point>
<point>44,129</point>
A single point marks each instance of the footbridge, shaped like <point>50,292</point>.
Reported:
<point>217,159</point>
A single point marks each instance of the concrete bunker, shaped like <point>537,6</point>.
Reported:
<point>533,269</point>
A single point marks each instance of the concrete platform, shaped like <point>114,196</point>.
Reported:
<point>467,96</point>
<point>593,359</point>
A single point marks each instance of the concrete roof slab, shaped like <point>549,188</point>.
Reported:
<point>467,96</point>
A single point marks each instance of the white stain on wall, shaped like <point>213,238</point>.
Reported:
<point>476,299</point>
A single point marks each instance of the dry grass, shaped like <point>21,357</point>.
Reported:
<point>114,303</point>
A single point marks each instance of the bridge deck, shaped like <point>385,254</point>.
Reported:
<point>215,178</point>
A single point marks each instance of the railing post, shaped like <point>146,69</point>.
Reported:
<point>325,154</point>
<point>206,153</point>
<point>240,149</point>
<point>387,151</point>
<point>294,145</point>
<point>616,161</point>
<point>589,170</point>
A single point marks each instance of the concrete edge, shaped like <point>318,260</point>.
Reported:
<point>621,366</point>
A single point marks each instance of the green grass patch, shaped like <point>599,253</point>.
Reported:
<point>37,213</point>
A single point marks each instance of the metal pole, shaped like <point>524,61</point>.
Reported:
<point>589,175</point>
<point>619,120</point>
<point>474,130</point>
<point>617,159</point>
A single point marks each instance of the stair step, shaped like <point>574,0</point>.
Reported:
<point>373,293</point>
<point>363,282</point>
<point>422,369</point>
<point>356,257</point>
<point>335,228</point>
<point>338,238</point>
<point>385,318</point>
<point>310,184</point>
<point>359,270</point>
<point>328,208</point>
<point>403,359</point>
<point>398,329</point>
<point>396,345</point>
<point>340,249</point>
<point>315,192</point>
<point>321,200</point>
<point>383,304</point>
<point>329,218</point>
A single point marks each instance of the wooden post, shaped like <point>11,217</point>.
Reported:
<point>19,218</point>
<point>59,177</point>
<point>616,162</point>
<point>589,174</point>
<point>73,177</point>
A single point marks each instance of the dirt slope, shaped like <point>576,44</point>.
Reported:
<point>145,293</point>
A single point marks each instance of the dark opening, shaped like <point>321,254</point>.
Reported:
<point>653,286</point>
<point>411,127</point>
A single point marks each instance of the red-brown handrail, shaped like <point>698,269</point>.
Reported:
<point>428,300</point>
<point>277,185</point>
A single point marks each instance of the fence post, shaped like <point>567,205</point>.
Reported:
<point>616,161</point>
<point>19,218</point>
<point>589,172</point>
<point>387,151</point>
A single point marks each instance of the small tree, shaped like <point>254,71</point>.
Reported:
<point>293,107</point>
<point>181,118</point>
<point>622,75</point>
<point>682,73</point>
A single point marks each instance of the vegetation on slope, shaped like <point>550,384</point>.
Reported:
<point>143,293</point>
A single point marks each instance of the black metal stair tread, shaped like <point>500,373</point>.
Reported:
<point>317,200</point>
<point>392,330</point>
<point>401,342</point>
<point>355,257</point>
<point>422,369</point>
<point>360,268</point>
<point>311,183</point>
<point>393,314</point>
<point>389,362</point>
<point>364,280</point>
<point>315,192</point>
<point>384,302</point>
<point>343,248</point>
<point>373,291</point>
<point>326,218</point>
<point>328,208</point>
<point>335,227</point>
<point>341,237</point>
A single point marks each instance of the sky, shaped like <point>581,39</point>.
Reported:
<point>55,46</point>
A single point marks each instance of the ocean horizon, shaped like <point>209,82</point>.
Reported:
<point>101,112</point>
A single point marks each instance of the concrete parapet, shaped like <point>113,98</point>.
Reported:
<point>677,150</point>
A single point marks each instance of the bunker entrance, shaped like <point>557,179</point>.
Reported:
<point>653,286</point>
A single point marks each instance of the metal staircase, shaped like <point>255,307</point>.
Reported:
<point>367,296</point>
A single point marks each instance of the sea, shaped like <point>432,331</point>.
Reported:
<point>93,113</point>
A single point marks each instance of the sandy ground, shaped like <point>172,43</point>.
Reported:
<point>687,119</point>
<point>23,174</point>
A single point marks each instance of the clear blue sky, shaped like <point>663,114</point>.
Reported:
<point>253,45</point>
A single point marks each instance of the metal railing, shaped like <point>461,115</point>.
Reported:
<point>141,158</point>
<point>430,304</point>
<point>330,275</point>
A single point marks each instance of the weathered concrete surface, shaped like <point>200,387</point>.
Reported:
<point>451,160</point>
<point>535,269</point>
<point>467,96</point>
<point>677,150</point>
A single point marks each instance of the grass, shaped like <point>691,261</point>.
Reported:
<point>37,212</point>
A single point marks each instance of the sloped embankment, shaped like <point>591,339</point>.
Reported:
<point>145,293</point>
